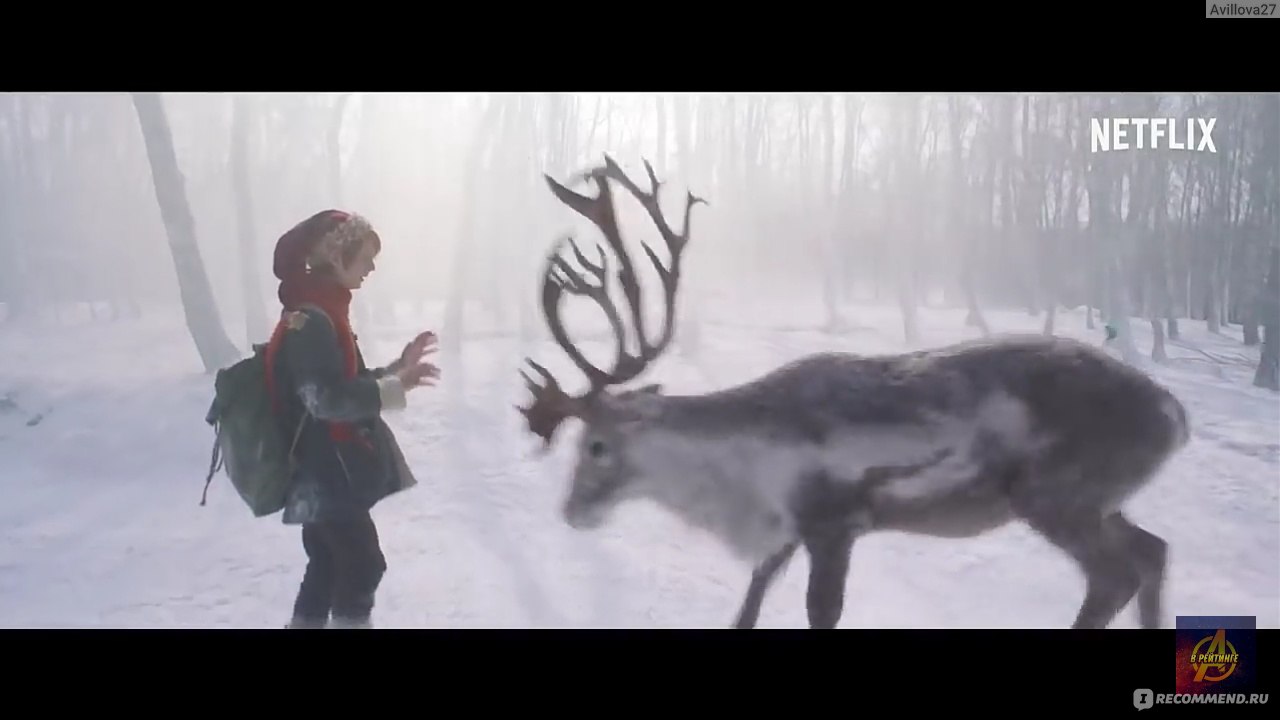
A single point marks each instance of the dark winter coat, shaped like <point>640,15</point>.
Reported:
<point>335,480</point>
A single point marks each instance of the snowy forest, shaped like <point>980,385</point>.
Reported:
<point>114,204</point>
<point>136,242</point>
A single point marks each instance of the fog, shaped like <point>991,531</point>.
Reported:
<point>136,242</point>
<point>980,201</point>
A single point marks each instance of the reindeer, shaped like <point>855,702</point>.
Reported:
<point>950,442</point>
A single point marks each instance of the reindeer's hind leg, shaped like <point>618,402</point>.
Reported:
<point>829,549</point>
<point>761,578</point>
<point>1111,577</point>
<point>1149,555</point>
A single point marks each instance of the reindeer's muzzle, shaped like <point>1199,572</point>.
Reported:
<point>582,514</point>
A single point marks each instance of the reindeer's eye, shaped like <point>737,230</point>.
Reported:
<point>597,449</point>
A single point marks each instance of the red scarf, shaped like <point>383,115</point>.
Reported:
<point>335,300</point>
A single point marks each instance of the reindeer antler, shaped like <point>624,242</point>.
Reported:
<point>551,405</point>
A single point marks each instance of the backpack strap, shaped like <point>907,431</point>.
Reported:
<point>215,462</point>
<point>297,435</point>
<point>306,414</point>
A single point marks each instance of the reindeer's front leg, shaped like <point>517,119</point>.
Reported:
<point>829,549</point>
<point>761,578</point>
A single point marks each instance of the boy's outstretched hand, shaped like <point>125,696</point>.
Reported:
<point>417,347</point>
<point>413,372</point>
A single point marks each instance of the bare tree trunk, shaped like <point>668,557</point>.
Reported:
<point>1218,234</point>
<point>201,310</point>
<point>847,250</point>
<point>1250,327</point>
<point>1162,292</point>
<point>19,260</point>
<point>829,232</point>
<point>256,326</point>
<point>978,226</point>
<point>1157,341</point>
<point>1109,237</point>
<point>334,142</point>
<point>363,305</point>
<point>1268,374</point>
<point>464,250</point>
<point>548,115</point>
<point>660,162</point>
<point>691,168</point>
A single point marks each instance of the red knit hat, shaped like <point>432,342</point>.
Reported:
<point>327,233</point>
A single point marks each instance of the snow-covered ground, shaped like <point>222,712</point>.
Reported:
<point>103,453</point>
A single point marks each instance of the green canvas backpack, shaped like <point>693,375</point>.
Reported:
<point>247,441</point>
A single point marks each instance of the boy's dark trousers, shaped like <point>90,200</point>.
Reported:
<point>344,567</point>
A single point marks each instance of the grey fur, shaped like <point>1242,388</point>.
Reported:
<point>949,442</point>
